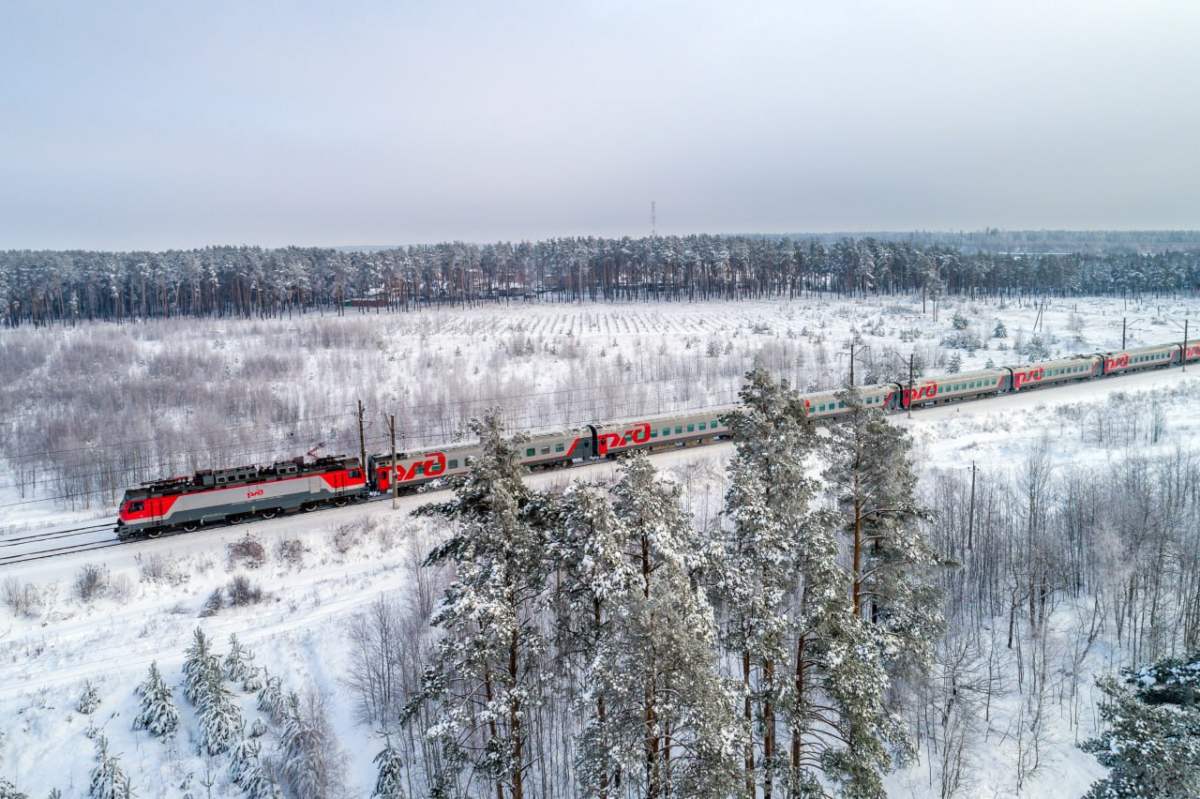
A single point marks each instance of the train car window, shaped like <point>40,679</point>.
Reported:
<point>841,405</point>
<point>546,450</point>
<point>716,423</point>
<point>559,448</point>
<point>678,429</point>
<point>703,426</point>
<point>530,452</point>
<point>691,428</point>
<point>666,431</point>
<point>654,434</point>
<point>354,475</point>
<point>453,463</point>
<point>420,469</point>
<point>821,408</point>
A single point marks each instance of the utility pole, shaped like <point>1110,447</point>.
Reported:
<point>1183,352</point>
<point>395,470</point>
<point>971,512</point>
<point>362,437</point>
<point>911,382</point>
<point>1123,332</point>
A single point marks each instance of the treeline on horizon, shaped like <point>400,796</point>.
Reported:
<point>47,287</point>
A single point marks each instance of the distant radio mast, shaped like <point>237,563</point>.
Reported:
<point>653,220</point>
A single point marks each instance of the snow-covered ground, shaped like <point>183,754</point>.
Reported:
<point>345,558</point>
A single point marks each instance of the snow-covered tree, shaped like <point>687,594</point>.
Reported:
<point>158,713</point>
<point>487,675</point>
<point>766,505</point>
<point>89,701</point>
<point>109,781</point>
<point>271,699</point>
<point>200,667</point>
<point>892,563</point>
<point>9,791</point>
<point>239,662</point>
<point>1152,741</point>
<point>658,663</point>
<point>390,782</point>
<point>595,580</point>
<point>221,721</point>
<point>312,763</point>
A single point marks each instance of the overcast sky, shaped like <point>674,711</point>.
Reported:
<point>152,125</point>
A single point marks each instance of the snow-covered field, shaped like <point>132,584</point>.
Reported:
<point>542,360</point>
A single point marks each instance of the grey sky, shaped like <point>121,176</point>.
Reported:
<point>148,125</point>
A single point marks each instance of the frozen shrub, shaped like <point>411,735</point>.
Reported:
<point>248,552</point>
<point>214,603</point>
<point>91,581</point>
<point>22,600</point>
<point>159,569</point>
<point>243,591</point>
<point>343,538</point>
<point>9,791</point>
<point>290,552</point>
<point>959,322</point>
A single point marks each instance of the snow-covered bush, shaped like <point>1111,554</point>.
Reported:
<point>23,600</point>
<point>91,581</point>
<point>248,552</point>
<point>242,591</point>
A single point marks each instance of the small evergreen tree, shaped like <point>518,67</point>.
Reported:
<point>9,791</point>
<point>158,713</point>
<point>238,663</point>
<point>390,782</point>
<point>109,781</point>
<point>271,699</point>
<point>200,668</point>
<point>89,701</point>
<point>955,365</point>
<point>221,721</point>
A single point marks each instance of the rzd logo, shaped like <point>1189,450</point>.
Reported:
<point>1032,376</point>
<point>253,494</point>
<point>1116,363</point>
<point>432,466</point>
<point>927,391</point>
<point>638,434</point>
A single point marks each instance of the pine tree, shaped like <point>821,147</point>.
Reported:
<point>199,667</point>
<point>955,365</point>
<point>158,713</point>
<point>108,779</point>
<point>311,762</point>
<point>487,674</point>
<point>766,504</point>
<point>1152,743</point>
<point>390,783</point>
<point>892,563</point>
<point>9,791</point>
<point>658,663</point>
<point>271,699</point>
<point>238,662</point>
<point>221,721</point>
<point>595,581</point>
<point>89,701</point>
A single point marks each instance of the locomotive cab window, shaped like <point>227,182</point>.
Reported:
<point>355,474</point>
<point>134,507</point>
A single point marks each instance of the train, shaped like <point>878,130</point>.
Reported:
<point>306,483</point>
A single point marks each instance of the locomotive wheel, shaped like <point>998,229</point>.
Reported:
<point>269,513</point>
<point>190,527</point>
<point>235,519</point>
<point>340,502</point>
<point>308,507</point>
<point>155,533</point>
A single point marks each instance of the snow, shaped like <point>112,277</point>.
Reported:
<point>297,632</point>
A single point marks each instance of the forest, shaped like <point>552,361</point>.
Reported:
<point>44,287</point>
